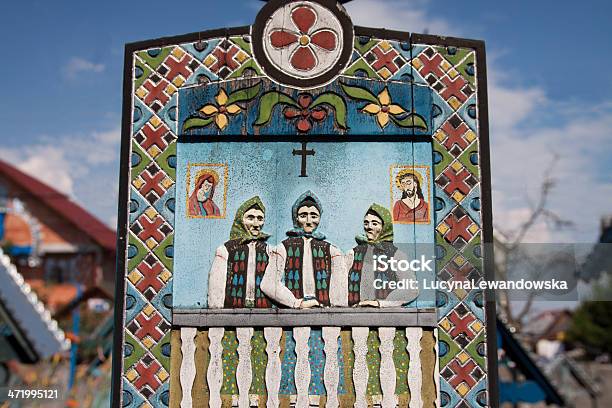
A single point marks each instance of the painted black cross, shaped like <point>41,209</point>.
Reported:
<point>304,153</point>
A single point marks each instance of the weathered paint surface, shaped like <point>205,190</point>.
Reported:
<point>411,88</point>
<point>272,172</point>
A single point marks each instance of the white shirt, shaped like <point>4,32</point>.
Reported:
<point>308,279</point>
<point>273,286</point>
<point>217,277</point>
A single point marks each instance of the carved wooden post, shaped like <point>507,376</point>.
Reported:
<point>360,373</point>
<point>387,367</point>
<point>330,337</point>
<point>215,368</point>
<point>302,366</point>
<point>273,369</point>
<point>243,373</point>
<point>413,335</point>
<point>188,365</point>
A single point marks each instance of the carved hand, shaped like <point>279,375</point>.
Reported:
<point>369,303</point>
<point>309,304</point>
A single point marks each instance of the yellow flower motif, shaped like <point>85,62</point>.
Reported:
<point>221,111</point>
<point>384,108</point>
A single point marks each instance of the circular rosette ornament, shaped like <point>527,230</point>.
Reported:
<point>303,44</point>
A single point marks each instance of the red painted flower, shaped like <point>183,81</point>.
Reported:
<point>309,43</point>
<point>305,116</point>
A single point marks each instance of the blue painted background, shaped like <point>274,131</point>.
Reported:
<point>347,177</point>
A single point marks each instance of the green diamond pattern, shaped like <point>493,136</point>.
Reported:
<point>472,349</point>
<point>243,44</point>
<point>468,252</point>
<point>364,48</point>
<point>160,252</point>
<point>137,351</point>
<point>157,351</point>
<point>451,252</point>
<point>155,57</point>
<point>250,64</point>
<point>456,59</point>
<point>145,160</point>
<point>162,160</point>
<point>361,65</point>
<point>146,71</point>
<point>453,348</point>
<point>465,159</point>
<point>447,158</point>
<point>140,254</point>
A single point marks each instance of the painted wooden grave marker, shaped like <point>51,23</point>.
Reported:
<point>252,157</point>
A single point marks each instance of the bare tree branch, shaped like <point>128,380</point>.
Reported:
<point>508,241</point>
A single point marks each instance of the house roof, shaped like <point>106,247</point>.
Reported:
<point>54,296</point>
<point>62,205</point>
<point>29,318</point>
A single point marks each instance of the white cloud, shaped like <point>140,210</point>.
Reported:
<point>508,106</point>
<point>524,144</point>
<point>399,15</point>
<point>48,164</point>
<point>84,167</point>
<point>521,153</point>
<point>77,65</point>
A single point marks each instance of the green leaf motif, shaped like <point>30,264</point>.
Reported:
<point>337,103</point>
<point>245,94</point>
<point>194,123</point>
<point>239,41</point>
<point>360,94</point>
<point>410,121</point>
<point>268,102</point>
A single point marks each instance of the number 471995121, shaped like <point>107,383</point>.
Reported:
<point>14,394</point>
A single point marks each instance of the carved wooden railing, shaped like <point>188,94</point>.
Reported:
<point>422,378</point>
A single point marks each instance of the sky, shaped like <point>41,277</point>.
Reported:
<point>549,85</point>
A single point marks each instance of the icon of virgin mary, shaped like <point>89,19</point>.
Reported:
<point>201,202</point>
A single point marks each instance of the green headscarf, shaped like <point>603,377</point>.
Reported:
<point>239,231</point>
<point>386,235</point>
